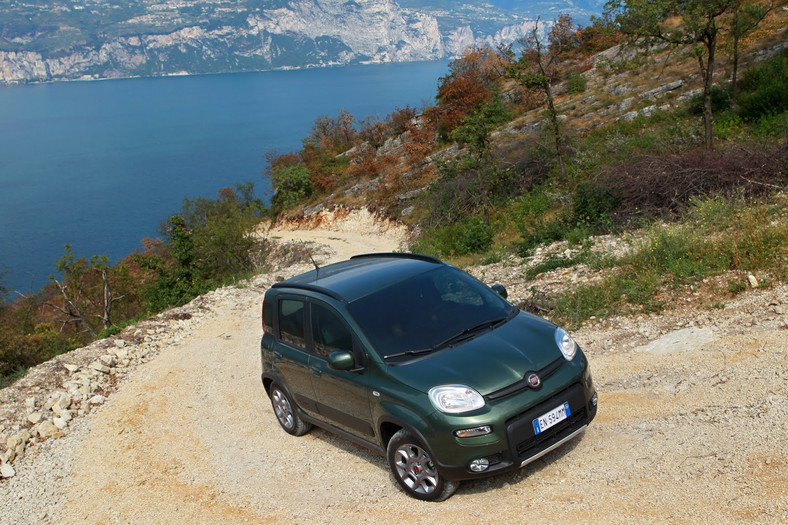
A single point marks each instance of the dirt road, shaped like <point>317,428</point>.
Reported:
<point>692,427</point>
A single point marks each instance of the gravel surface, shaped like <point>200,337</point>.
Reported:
<point>692,427</point>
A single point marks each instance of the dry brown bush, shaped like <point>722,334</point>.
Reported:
<point>652,186</point>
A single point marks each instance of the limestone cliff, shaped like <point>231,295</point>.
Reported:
<point>59,40</point>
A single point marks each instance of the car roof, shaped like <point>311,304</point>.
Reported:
<point>362,275</point>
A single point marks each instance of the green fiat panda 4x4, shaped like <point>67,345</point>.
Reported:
<point>423,363</point>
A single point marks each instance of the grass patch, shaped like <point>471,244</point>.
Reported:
<point>719,236</point>
<point>12,377</point>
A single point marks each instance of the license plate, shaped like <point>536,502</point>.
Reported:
<point>551,418</point>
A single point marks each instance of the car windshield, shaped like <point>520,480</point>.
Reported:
<point>434,310</point>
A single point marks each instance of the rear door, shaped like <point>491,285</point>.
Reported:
<point>291,357</point>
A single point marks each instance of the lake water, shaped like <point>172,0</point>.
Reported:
<point>99,165</point>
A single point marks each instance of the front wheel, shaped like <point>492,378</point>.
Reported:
<point>286,413</point>
<point>414,469</point>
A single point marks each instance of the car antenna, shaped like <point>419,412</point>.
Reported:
<point>317,268</point>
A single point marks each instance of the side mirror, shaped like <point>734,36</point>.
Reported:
<point>341,360</point>
<point>500,290</point>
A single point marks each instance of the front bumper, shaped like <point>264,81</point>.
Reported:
<point>517,444</point>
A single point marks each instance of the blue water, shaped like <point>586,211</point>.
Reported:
<point>99,165</point>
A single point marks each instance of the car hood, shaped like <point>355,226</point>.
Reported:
<point>489,362</point>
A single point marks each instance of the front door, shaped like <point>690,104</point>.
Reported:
<point>342,398</point>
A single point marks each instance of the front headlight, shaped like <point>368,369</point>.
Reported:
<point>565,343</point>
<point>455,399</point>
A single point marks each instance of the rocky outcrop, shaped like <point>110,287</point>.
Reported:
<point>43,405</point>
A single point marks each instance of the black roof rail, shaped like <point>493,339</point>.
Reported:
<point>400,255</point>
<point>309,287</point>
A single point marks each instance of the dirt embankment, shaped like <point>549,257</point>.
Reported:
<point>692,427</point>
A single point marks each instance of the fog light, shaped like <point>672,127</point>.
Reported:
<point>473,432</point>
<point>479,465</point>
<point>593,400</point>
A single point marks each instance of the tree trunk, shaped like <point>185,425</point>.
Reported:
<point>735,23</point>
<point>105,319</point>
<point>708,83</point>
<point>72,311</point>
<point>551,111</point>
<point>556,130</point>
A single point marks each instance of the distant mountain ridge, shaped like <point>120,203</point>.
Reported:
<point>46,40</point>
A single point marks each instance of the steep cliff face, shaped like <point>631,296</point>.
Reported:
<point>205,36</point>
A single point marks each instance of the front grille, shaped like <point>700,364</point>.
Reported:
<point>520,430</point>
<point>495,459</point>
<point>521,385</point>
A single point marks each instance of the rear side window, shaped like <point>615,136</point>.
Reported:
<point>291,321</point>
<point>268,318</point>
<point>329,331</point>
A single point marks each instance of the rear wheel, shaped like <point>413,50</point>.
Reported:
<point>414,469</point>
<point>286,413</point>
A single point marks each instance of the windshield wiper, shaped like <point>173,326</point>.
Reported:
<point>417,351</point>
<point>469,332</point>
<point>456,338</point>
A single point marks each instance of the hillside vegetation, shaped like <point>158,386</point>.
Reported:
<point>573,135</point>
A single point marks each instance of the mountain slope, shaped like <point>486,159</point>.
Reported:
<point>44,40</point>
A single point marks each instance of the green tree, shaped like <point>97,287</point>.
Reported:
<point>696,24</point>
<point>539,66</point>
<point>85,291</point>
<point>208,242</point>
<point>476,128</point>
<point>291,184</point>
<point>746,16</point>
<point>475,133</point>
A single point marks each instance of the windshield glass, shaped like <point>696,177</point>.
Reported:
<point>420,314</point>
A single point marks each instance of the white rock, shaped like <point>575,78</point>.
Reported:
<point>60,423</point>
<point>35,417</point>
<point>8,456</point>
<point>753,281</point>
<point>98,399</point>
<point>120,343</point>
<point>7,471</point>
<point>98,367</point>
<point>71,368</point>
<point>16,440</point>
<point>46,429</point>
<point>62,403</point>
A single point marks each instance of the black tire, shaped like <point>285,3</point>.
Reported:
<point>414,469</point>
<point>286,413</point>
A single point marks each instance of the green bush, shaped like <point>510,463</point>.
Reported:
<point>291,184</point>
<point>765,89</point>
<point>543,232</point>
<point>19,352</point>
<point>532,206</point>
<point>209,243</point>
<point>594,206</point>
<point>469,236</point>
<point>576,83</point>
<point>720,101</point>
<point>728,126</point>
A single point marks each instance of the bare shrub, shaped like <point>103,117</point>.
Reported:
<point>653,186</point>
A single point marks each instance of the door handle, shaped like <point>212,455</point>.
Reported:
<point>277,356</point>
<point>316,371</point>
